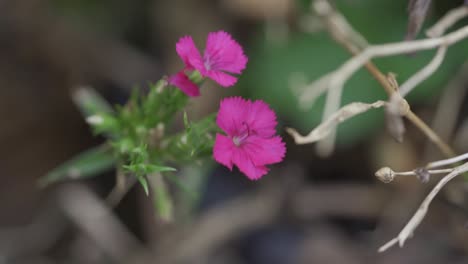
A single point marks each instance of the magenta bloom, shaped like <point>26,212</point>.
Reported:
<point>250,143</point>
<point>223,55</point>
<point>183,82</point>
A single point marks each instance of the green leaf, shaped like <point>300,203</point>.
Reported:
<point>145,169</point>
<point>85,165</point>
<point>161,198</point>
<point>193,143</point>
<point>90,102</point>
<point>186,121</point>
<point>162,104</point>
<point>144,183</point>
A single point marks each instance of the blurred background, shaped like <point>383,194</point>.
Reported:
<point>306,210</point>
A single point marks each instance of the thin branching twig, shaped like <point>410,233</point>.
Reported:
<point>414,222</point>
<point>348,40</point>
<point>325,128</point>
<point>424,73</point>
<point>452,17</point>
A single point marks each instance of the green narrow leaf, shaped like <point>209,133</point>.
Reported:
<point>186,121</point>
<point>144,183</point>
<point>156,168</point>
<point>84,165</point>
<point>90,102</point>
<point>161,198</point>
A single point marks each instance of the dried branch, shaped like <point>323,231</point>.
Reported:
<point>425,72</point>
<point>417,14</point>
<point>387,175</point>
<point>414,222</point>
<point>332,104</point>
<point>342,74</point>
<point>314,90</point>
<point>446,162</point>
<point>310,93</point>
<point>399,107</point>
<point>452,17</point>
<point>325,128</point>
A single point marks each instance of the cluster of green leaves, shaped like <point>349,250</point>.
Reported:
<point>138,142</point>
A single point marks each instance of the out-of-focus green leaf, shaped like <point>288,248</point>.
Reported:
<point>194,143</point>
<point>162,103</point>
<point>86,164</point>
<point>144,183</point>
<point>161,198</point>
<point>90,102</point>
<point>145,169</point>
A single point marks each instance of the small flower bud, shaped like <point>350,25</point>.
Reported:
<point>385,174</point>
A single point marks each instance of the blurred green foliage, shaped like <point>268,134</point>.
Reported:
<point>138,140</point>
<point>271,65</point>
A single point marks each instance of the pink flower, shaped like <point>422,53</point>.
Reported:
<point>222,55</point>
<point>181,81</point>
<point>250,143</point>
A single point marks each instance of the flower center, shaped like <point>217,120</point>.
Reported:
<point>207,64</point>
<point>238,140</point>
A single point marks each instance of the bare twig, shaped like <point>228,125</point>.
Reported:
<point>417,10</point>
<point>387,175</point>
<point>325,128</point>
<point>317,88</point>
<point>397,109</point>
<point>342,74</point>
<point>433,137</point>
<point>309,94</point>
<point>446,162</point>
<point>332,104</point>
<point>425,72</point>
<point>414,222</point>
<point>452,17</point>
<point>342,32</point>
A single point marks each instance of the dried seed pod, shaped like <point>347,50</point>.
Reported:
<point>385,174</point>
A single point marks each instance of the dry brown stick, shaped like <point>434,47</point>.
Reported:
<point>334,27</point>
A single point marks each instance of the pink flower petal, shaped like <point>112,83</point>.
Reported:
<point>181,81</point>
<point>233,112</point>
<point>221,78</point>
<point>223,53</point>
<point>264,151</point>
<point>244,163</point>
<point>250,143</point>
<point>189,54</point>
<point>223,150</point>
<point>261,119</point>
